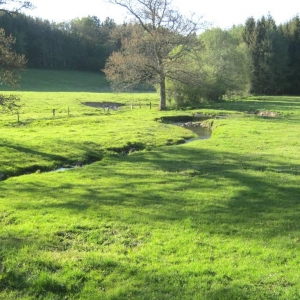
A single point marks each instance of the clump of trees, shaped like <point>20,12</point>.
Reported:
<point>80,44</point>
<point>222,66</point>
<point>268,50</point>
<point>274,54</point>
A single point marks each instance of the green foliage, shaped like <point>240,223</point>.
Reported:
<point>291,32</point>
<point>80,44</point>
<point>269,53</point>
<point>259,57</point>
<point>9,103</point>
<point>222,66</point>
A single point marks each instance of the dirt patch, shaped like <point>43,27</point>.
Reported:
<point>266,113</point>
<point>103,104</point>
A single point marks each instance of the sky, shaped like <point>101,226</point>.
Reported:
<point>220,13</point>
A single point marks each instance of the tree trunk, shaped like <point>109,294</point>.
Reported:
<point>162,92</point>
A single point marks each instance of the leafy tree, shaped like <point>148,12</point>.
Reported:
<point>222,66</point>
<point>146,54</point>
<point>94,45</point>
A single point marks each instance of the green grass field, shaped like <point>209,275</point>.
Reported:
<point>211,219</point>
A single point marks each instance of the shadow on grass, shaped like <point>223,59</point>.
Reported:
<point>43,161</point>
<point>27,150</point>
<point>223,193</point>
<point>159,282</point>
<point>258,103</point>
<point>217,193</point>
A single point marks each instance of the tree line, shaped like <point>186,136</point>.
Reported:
<point>80,44</point>
<point>275,55</point>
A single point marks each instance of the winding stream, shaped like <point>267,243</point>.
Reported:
<point>202,133</point>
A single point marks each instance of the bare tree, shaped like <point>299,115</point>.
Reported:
<point>152,46</point>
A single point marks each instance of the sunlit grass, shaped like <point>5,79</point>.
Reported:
<point>40,141</point>
<point>212,219</point>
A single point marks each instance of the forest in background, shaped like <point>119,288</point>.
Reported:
<point>80,44</point>
<point>271,51</point>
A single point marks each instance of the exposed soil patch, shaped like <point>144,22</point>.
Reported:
<point>103,104</point>
<point>262,113</point>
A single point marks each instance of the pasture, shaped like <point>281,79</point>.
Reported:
<point>210,219</point>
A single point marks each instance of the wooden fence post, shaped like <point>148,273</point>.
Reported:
<point>53,111</point>
<point>18,117</point>
<point>150,105</point>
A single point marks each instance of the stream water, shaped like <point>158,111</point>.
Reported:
<point>202,132</point>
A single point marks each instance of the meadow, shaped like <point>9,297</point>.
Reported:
<point>209,219</point>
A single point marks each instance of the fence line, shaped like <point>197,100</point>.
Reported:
<point>53,113</point>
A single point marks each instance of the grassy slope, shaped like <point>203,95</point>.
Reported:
<point>61,81</point>
<point>213,219</point>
